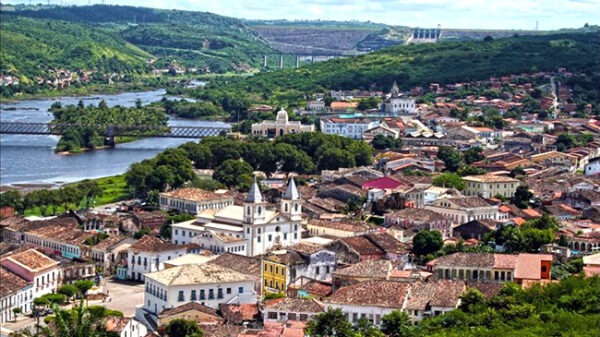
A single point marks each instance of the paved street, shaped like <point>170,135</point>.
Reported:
<point>123,297</point>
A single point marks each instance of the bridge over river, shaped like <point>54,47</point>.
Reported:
<point>111,131</point>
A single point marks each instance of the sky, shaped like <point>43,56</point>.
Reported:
<point>471,14</point>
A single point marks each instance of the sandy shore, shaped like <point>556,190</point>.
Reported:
<point>26,188</point>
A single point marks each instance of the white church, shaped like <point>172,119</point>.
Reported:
<point>252,229</point>
<point>399,105</point>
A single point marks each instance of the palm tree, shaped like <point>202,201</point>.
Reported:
<point>76,322</point>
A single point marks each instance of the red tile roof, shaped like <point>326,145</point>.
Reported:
<point>10,282</point>
<point>386,294</point>
<point>383,183</point>
<point>153,244</point>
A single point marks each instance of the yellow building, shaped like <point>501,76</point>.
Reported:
<point>489,185</point>
<point>279,268</point>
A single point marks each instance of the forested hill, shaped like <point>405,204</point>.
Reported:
<point>182,38</point>
<point>33,48</point>
<point>444,62</point>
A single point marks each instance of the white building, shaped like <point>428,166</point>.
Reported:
<point>208,284</point>
<point>397,104</point>
<point>254,227</point>
<point>592,167</point>
<point>464,209</point>
<point>193,200</point>
<point>16,292</point>
<point>490,185</point>
<point>148,255</point>
<point>125,326</point>
<point>35,267</point>
<point>315,105</point>
<point>347,127</point>
<point>280,126</point>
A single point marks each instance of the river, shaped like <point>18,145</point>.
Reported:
<point>30,159</point>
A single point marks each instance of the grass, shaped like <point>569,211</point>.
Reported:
<point>114,189</point>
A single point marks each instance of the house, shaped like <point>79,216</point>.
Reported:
<point>15,292</point>
<point>430,299</point>
<point>369,300</point>
<point>341,192</point>
<point>246,314</point>
<point>291,309</point>
<point>124,327</point>
<point>381,129</point>
<point>207,284</point>
<point>151,220</point>
<point>317,105</point>
<point>346,127</point>
<point>311,289</point>
<point>341,107</point>
<point>363,271</point>
<point>351,250</point>
<point>582,199</point>
<point>556,159</point>
<point>338,228</point>
<point>36,268</point>
<point>490,185</point>
<point>257,225</point>
<point>465,209</point>
<point>280,126</point>
<point>475,229</point>
<point>192,311</point>
<point>417,219</point>
<point>281,268</point>
<point>591,265</point>
<point>592,167</point>
<point>109,252</point>
<point>148,255</point>
<point>193,200</point>
<point>521,269</point>
<point>562,211</point>
<point>394,249</point>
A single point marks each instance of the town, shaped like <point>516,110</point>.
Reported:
<point>469,190</point>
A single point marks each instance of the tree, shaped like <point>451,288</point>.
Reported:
<point>16,312</point>
<point>332,322</point>
<point>396,324</point>
<point>381,142</point>
<point>451,158</point>
<point>83,286</point>
<point>473,154</point>
<point>76,322</point>
<point>334,158</point>
<point>234,173</point>
<point>427,242</point>
<point>470,300</point>
<point>366,328</point>
<point>517,171</point>
<point>68,290</point>
<point>522,196</point>
<point>449,180</point>
<point>183,328</point>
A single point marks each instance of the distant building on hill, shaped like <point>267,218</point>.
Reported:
<point>280,126</point>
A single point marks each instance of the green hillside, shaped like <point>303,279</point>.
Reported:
<point>32,47</point>
<point>185,38</point>
<point>416,65</point>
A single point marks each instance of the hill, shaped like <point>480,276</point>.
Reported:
<point>35,47</point>
<point>419,65</point>
<point>187,39</point>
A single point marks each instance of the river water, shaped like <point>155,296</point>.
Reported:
<point>30,159</point>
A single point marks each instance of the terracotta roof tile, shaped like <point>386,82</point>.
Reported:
<point>190,306</point>
<point>362,245</point>
<point>11,282</point>
<point>153,244</point>
<point>33,260</point>
<point>116,324</point>
<point>387,294</point>
<point>296,305</point>
<point>194,194</point>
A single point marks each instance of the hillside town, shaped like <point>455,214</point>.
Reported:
<point>466,192</point>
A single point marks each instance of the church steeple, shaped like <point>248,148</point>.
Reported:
<point>254,195</point>
<point>395,92</point>
<point>291,205</point>
<point>254,206</point>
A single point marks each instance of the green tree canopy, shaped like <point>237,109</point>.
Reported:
<point>181,327</point>
<point>234,173</point>
<point>396,324</point>
<point>449,180</point>
<point>427,242</point>
<point>329,323</point>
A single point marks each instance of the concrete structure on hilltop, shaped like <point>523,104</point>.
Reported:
<point>280,126</point>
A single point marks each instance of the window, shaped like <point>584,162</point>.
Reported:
<point>176,232</point>
<point>272,315</point>
<point>292,316</point>
<point>303,317</point>
<point>318,270</point>
<point>240,290</point>
<point>270,237</point>
<point>183,233</point>
<point>219,293</point>
<point>285,236</point>
<point>327,269</point>
<point>228,291</point>
<point>282,271</point>
<point>276,270</point>
<point>181,298</point>
<point>211,294</point>
<point>193,296</point>
<point>265,267</point>
<point>258,239</point>
<point>202,296</point>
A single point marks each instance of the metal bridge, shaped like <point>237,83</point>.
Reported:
<point>16,128</point>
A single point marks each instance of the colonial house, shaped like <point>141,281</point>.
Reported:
<point>521,269</point>
<point>260,227</point>
<point>430,299</point>
<point>346,127</point>
<point>15,292</point>
<point>369,300</point>
<point>148,255</point>
<point>35,268</point>
<point>555,158</point>
<point>207,284</point>
<point>592,167</point>
<point>193,200</point>
<point>381,129</point>
<point>475,229</point>
<point>368,270</point>
<point>464,209</point>
<point>338,228</point>
<point>125,327</point>
<point>396,104</point>
<point>417,220</point>
<point>194,311</point>
<point>280,126</point>
<point>281,268</point>
<point>489,186</point>
<point>354,249</point>
<point>291,309</point>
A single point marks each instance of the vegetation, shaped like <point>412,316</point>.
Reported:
<point>93,123</point>
<point>427,242</point>
<point>449,180</point>
<point>181,327</point>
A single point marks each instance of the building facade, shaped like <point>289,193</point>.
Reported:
<point>280,126</point>
<point>38,269</point>
<point>464,209</point>
<point>148,255</point>
<point>346,127</point>
<point>193,200</point>
<point>397,104</point>
<point>489,186</point>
